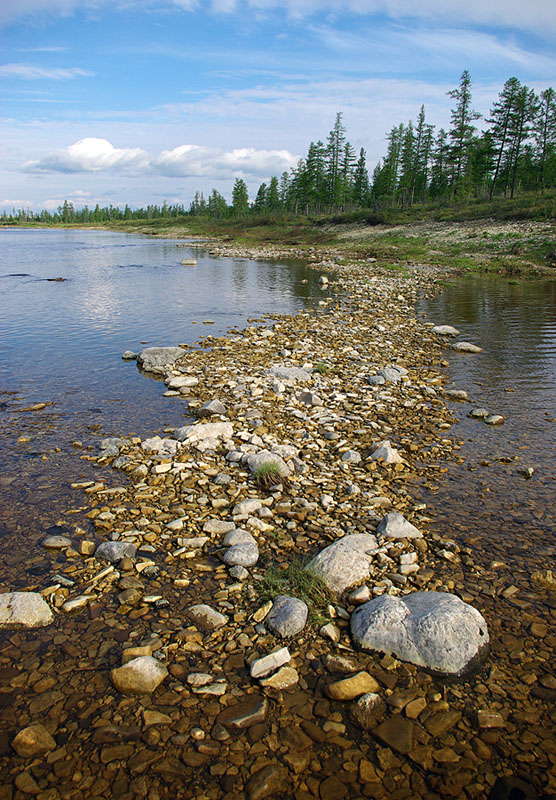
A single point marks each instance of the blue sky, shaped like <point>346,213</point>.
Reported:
<point>141,101</point>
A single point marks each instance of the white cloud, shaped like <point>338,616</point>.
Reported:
<point>32,72</point>
<point>536,15</point>
<point>91,155</point>
<point>186,161</point>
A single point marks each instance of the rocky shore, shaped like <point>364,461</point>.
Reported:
<point>255,606</point>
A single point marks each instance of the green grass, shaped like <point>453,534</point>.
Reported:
<point>268,475</point>
<point>297,582</point>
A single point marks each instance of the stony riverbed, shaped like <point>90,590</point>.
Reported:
<point>317,394</point>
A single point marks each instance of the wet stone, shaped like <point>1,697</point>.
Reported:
<point>397,733</point>
<point>251,711</point>
<point>267,782</point>
<point>33,741</point>
<point>206,617</point>
<point>367,710</point>
<point>139,676</point>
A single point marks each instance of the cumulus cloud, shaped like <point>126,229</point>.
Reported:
<point>91,155</point>
<point>186,161</point>
<point>32,72</point>
<point>194,161</point>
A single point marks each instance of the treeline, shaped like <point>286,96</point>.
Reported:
<point>67,213</point>
<point>515,152</point>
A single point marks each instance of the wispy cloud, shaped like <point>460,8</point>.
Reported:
<point>34,72</point>
<point>93,155</point>
<point>535,15</point>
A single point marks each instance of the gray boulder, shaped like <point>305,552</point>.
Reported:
<point>115,551</point>
<point>435,630</point>
<point>395,526</point>
<point>288,616</point>
<point>23,610</point>
<point>244,554</point>
<point>212,408</point>
<point>392,374</point>
<point>159,359</point>
<point>345,563</point>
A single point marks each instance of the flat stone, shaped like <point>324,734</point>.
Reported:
<point>251,711</point>
<point>56,543</point>
<point>33,741</point>
<point>262,667</point>
<point>351,457</point>
<point>332,788</point>
<point>392,374</point>
<point>350,688</point>
<point>206,617</point>
<point>441,722</point>
<point>290,373</point>
<point>345,563</point>
<point>283,679</point>
<point>395,526</point>
<point>396,732</point>
<point>435,630</point>
<point>490,719</point>
<point>247,507</point>
<point>24,610</point>
<point>288,616</point>
<point>218,526</point>
<point>456,394</point>
<point>204,430</point>
<point>181,382</point>
<point>139,676</point>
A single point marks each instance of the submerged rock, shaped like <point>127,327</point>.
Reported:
<point>466,347</point>
<point>139,676</point>
<point>445,330</point>
<point>434,630</point>
<point>24,610</point>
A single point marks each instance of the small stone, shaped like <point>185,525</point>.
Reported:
<point>245,554</point>
<point>33,741</point>
<point>445,330</point>
<point>414,708</point>
<point>367,710</point>
<point>330,631</point>
<point>332,788</point>
<point>23,610</point>
<point>466,347</point>
<point>212,408</point>
<point>115,551</point>
<point>490,719</point>
<point>56,543</point>
<point>350,688</point>
<point>266,783</point>
<point>26,783</point>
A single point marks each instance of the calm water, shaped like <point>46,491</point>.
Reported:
<point>62,341</point>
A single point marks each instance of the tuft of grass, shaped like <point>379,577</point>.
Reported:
<point>322,368</point>
<point>268,475</point>
<point>297,582</point>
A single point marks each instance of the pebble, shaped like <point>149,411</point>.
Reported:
<point>350,688</point>
<point>261,667</point>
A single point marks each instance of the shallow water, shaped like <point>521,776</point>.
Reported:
<point>487,497</point>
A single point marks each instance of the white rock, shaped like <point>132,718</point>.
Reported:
<point>139,676</point>
<point>206,617</point>
<point>386,453</point>
<point>395,526</point>
<point>345,563</point>
<point>218,526</point>
<point>204,430</point>
<point>245,554</point>
<point>181,382</point>
<point>435,630</point>
<point>262,667</point>
<point>23,610</point>
<point>246,507</point>
<point>159,359</point>
<point>445,330</point>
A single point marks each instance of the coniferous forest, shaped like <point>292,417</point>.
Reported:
<point>509,152</point>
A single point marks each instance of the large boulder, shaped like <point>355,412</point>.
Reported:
<point>434,630</point>
<point>23,610</point>
<point>345,563</point>
<point>159,359</point>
